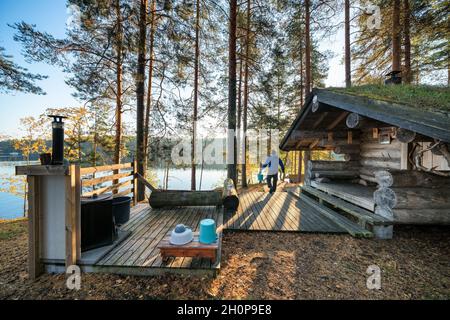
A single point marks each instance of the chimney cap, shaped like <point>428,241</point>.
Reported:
<point>57,118</point>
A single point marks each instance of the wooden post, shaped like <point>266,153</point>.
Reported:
<point>300,166</point>
<point>135,183</point>
<point>71,220</point>
<point>404,163</point>
<point>35,266</point>
<point>78,209</point>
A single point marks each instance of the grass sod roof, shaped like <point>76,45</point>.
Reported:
<point>422,109</point>
<point>428,98</point>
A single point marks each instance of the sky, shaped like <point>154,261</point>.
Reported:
<point>51,16</point>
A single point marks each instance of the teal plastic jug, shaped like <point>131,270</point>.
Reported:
<point>207,231</point>
<point>260,177</point>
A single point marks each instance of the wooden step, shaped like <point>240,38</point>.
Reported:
<point>351,227</point>
<point>364,216</point>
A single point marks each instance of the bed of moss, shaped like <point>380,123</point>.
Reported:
<point>431,98</point>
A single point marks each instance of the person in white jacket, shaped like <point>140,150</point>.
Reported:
<point>273,162</point>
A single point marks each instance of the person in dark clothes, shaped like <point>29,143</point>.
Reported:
<point>273,162</point>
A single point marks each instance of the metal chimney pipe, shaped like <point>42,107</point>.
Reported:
<point>57,140</point>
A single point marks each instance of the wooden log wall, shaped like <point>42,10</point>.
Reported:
<point>412,197</point>
<point>324,171</point>
<point>376,157</point>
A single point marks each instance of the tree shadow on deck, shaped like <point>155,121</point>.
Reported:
<point>252,211</point>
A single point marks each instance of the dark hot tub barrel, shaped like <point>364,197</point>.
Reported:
<point>121,209</point>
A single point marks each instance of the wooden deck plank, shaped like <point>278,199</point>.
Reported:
<point>268,213</point>
<point>147,217</point>
<point>260,216</point>
<point>148,226</point>
<point>154,253</point>
<point>280,211</point>
<point>193,223</point>
<point>255,224</point>
<point>187,262</point>
<point>287,214</point>
<point>246,214</point>
<point>149,256</point>
<point>244,211</point>
<point>145,237</point>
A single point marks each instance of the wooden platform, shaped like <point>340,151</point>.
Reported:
<point>281,211</point>
<point>359,195</point>
<point>139,255</point>
<point>259,211</point>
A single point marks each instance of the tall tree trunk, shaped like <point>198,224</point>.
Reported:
<point>119,52</point>
<point>195,114</point>
<point>150,81</point>
<point>407,39</point>
<point>302,71</point>
<point>396,50</point>
<point>307,48</point>
<point>140,95</point>
<point>348,70</point>
<point>302,101</point>
<point>231,151</point>
<point>246,92</point>
<point>307,59</point>
<point>239,106</point>
<point>95,140</point>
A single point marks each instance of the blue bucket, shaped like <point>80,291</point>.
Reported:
<point>207,231</point>
<point>260,177</point>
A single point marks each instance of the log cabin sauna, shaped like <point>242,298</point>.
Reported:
<point>394,166</point>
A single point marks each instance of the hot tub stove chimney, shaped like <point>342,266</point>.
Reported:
<point>57,140</point>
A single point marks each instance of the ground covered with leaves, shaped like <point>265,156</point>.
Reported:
<point>414,265</point>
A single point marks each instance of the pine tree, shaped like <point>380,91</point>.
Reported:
<point>14,78</point>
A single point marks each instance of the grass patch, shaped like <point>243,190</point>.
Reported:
<point>12,228</point>
<point>430,98</point>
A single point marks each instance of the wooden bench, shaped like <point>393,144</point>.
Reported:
<point>363,216</point>
<point>193,249</point>
<point>381,227</point>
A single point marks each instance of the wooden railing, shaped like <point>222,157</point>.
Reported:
<point>122,177</point>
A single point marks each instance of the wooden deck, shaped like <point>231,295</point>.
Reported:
<point>138,254</point>
<point>281,211</point>
<point>259,211</point>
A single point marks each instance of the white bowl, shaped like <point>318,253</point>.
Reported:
<point>180,239</point>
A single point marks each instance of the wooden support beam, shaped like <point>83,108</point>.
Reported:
<point>331,126</point>
<point>356,121</point>
<point>404,157</point>
<point>337,121</point>
<point>71,217</point>
<point>320,120</point>
<point>35,266</point>
<point>319,134</point>
<point>145,182</point>
<point>78,210</point>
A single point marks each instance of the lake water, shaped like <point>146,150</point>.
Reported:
<point>11,199</point>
